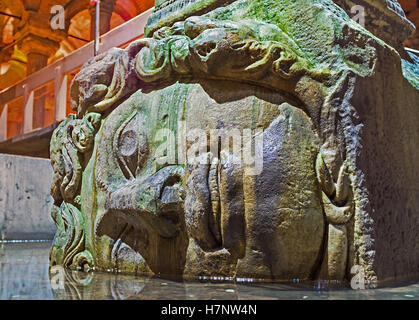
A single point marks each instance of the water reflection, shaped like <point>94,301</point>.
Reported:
<point>23,271</point>
<point>24,274</point>
<point>94,285</point>
<point>77,285</point>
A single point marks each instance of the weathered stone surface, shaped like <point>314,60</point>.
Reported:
<point>25,201</point>
<point>264,139</point>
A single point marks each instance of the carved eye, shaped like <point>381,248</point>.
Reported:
<point>128,143</point>
<point>131,146</point>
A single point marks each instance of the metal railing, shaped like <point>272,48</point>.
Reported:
<point>59,70</point>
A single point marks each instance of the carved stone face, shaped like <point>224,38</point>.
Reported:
<point>326,124</point>
<point>275,209</point>
<point>171,212</point>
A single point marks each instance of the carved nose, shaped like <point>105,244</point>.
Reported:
<point>171,199</point>
<point>172,195</point>
<point>156,203</point>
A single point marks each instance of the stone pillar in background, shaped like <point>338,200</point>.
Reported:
<point>36,61</point>
<point>106,9</point>
<point>38,50</point>
<point>16,70</point>
<point>38,41</point>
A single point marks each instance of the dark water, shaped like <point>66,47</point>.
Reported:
<point>24,275</point>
